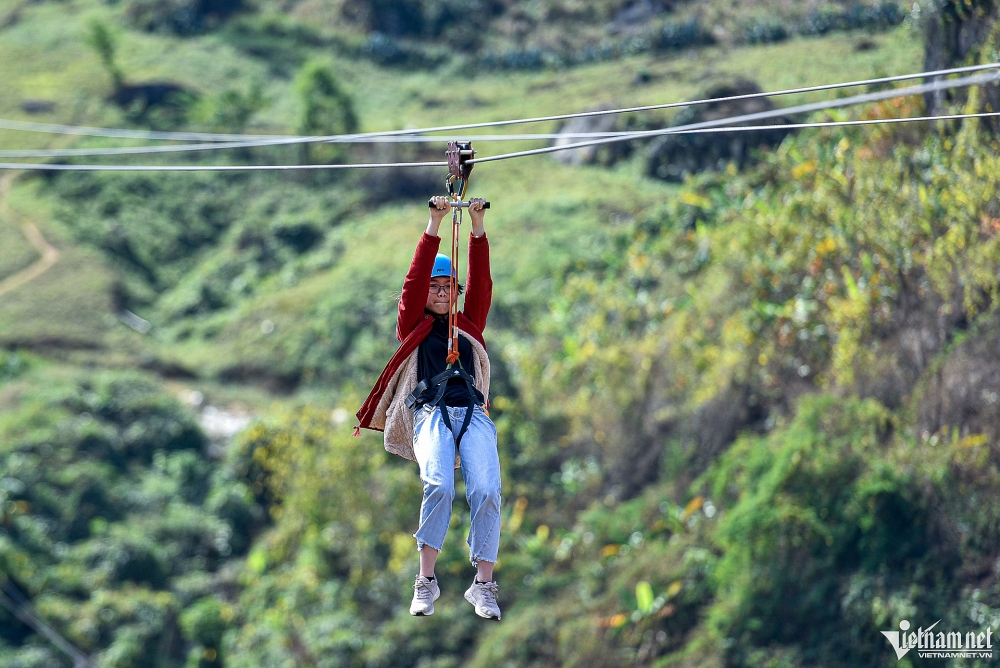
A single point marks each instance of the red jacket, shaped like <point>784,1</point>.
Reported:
<point>413,325</point>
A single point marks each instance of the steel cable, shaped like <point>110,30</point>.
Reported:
<point>681,129</point>
<point>741,128</point>
<point>267,140</point>
<point>760,115</point>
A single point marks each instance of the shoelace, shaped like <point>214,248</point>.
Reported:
<point>489,590</point>
<point>423,589</point>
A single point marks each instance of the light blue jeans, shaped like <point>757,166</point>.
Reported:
<point>434,447</point>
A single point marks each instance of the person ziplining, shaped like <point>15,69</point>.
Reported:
<point>431,398</point>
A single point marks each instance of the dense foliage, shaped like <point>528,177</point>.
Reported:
<point>116,524</point>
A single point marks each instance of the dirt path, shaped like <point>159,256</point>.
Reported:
<point>49,253</point>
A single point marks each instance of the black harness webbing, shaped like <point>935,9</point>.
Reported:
<point>440,381</point>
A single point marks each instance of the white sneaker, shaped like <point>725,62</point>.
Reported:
<point>483,596</point>
<point>425,592</point>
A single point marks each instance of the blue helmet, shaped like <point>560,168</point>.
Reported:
<point>442,266</point>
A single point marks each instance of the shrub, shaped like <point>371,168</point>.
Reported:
<point>204,621</point>
<point>12,364</point>
<point>231,110</point>
<point>765,31</point>
<point>675,36</point>
<point>283,43</point>
<point>181,17</point>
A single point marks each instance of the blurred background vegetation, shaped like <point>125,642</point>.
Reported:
<point>747,405</point>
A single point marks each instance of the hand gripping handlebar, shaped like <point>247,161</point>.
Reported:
<point>460,205</point>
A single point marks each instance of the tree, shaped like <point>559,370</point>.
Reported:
<point>105,43</point>
<point>326,110</point>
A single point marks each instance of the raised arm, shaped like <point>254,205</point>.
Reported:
<point>418,278</point>
<point>479,287</point>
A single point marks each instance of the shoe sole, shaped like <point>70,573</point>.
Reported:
<point>429,612</point>
<point>476,608</point>
<point>423,614</point>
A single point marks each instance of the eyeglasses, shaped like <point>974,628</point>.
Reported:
<point>441,289</point>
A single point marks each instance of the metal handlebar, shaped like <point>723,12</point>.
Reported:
<point>460,205</point>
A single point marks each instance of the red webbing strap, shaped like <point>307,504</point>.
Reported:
<point>458,171</point>
<point>453,292</point>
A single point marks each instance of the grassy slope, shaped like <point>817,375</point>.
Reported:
<point>397,103</point>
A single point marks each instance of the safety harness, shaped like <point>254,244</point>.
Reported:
<point>459,169</point>
<point>440,381</point>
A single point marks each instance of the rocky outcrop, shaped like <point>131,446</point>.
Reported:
<point>586,124</point>
<point>672,157</point>
<point>636,16</point>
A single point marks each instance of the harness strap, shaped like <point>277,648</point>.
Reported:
<point>459,168</point>
<point>441,382</point>
<point>435,381</point>
<point>465,421</point>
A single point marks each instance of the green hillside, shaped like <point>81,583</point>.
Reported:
<point>748,419</point>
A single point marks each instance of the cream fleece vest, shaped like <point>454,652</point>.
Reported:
<point>396,420</point>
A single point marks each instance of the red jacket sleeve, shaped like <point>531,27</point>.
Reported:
<point>416,285</point>
<point>479,286</point>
